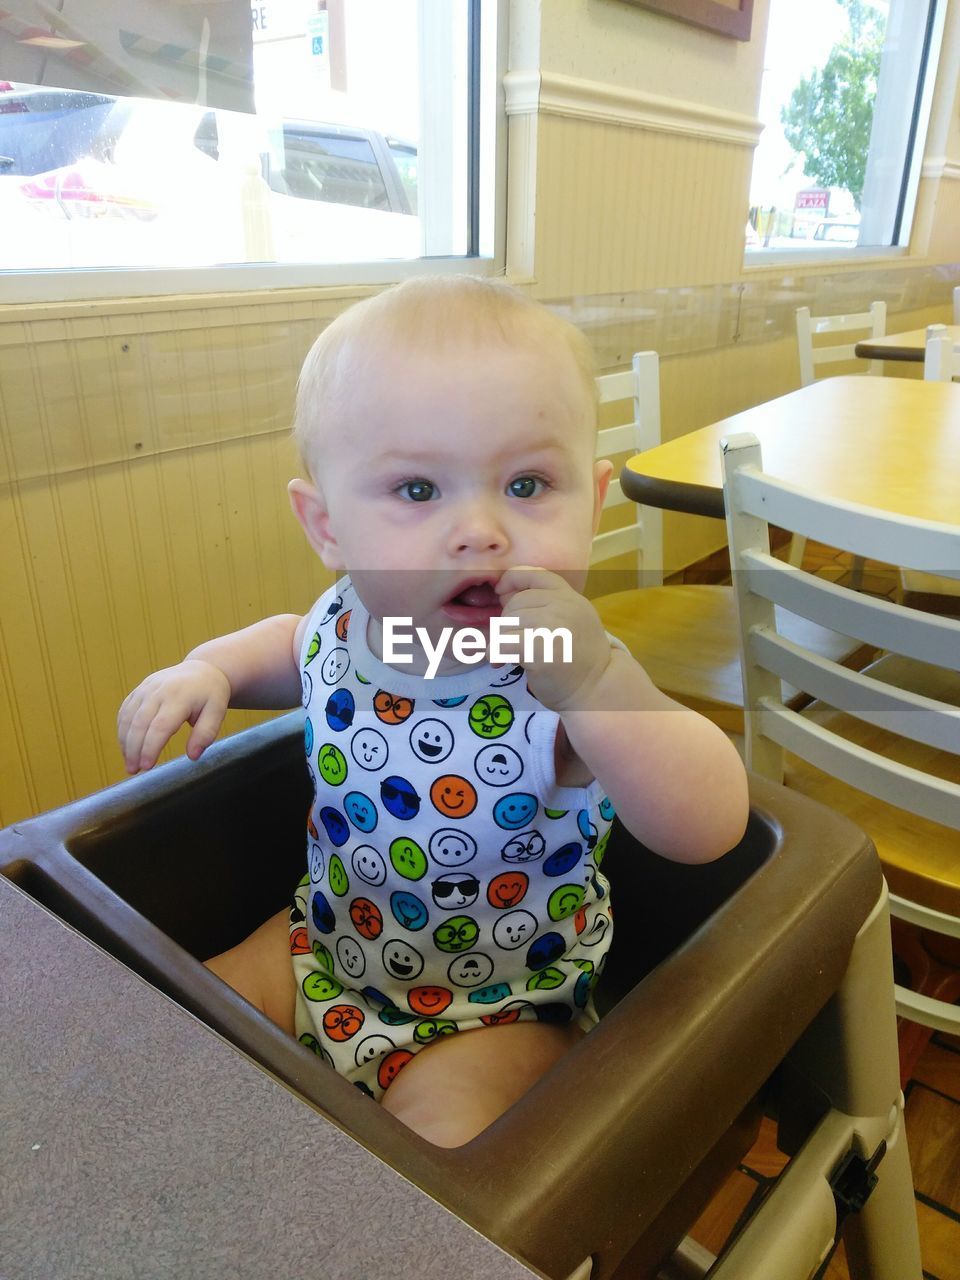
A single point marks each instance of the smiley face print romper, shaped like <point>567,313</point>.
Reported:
<point>451,883</point>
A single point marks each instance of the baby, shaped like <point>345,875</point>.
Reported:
<point>453,919</point>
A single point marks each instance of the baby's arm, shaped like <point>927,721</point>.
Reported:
<point>255,667</point>
<point>675,779</point>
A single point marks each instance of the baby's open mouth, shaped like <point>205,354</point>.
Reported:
<point>473,603</point>
<point>479,595</point>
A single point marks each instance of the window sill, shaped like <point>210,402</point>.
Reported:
<point>757,260</point>
<point>155,287</point>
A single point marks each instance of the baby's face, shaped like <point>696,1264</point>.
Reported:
<point>461,466</point>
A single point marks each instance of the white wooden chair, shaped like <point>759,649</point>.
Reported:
<point>684,635</point>
<point>941,357</point>
<point>872,323</point>
<point>881,745</point>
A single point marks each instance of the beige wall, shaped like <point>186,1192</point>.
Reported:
<point>144,444</point>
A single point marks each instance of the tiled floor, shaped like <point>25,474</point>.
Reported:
<point>932,1094</point>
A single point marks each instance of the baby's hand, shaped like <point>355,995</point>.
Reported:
<point>541,598</point>
<point>193,692</point>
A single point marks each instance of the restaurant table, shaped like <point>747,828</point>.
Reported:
<point>892,443</point>
<point>910,345</point>
<point>134,1141</point>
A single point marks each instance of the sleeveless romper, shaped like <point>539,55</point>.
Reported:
<point>451,882</point>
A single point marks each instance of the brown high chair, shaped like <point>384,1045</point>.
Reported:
<point>761,981</point>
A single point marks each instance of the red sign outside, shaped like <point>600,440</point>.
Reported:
<point>814,198</point>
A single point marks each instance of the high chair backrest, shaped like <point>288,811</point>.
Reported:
<point>752,500</point>
<point>941,359</point>
<point>639,389</point>
<point>872,323</point>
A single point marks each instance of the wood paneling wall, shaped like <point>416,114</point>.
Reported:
<point>622,208</point>
<point>142,509</point>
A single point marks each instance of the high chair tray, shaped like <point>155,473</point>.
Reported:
<point>134,1142</point>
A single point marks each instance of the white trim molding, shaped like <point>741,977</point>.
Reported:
<point>941,167</point>
<point>546,93</point>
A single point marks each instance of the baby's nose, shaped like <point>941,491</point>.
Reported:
<point>479,528</point>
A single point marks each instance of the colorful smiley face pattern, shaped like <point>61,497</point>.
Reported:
<point>450,882</point>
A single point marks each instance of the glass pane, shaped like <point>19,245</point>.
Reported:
<point>328,170</point>
<point>317,165</point>
<point>839,86</point>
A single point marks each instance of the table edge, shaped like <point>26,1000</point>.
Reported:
<point>871,349</point>
<point>673,495</point>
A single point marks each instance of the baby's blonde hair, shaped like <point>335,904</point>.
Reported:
<point>426,313</point>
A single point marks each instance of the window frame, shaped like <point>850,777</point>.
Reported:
<point>757,258</point>
<point>486,246</point>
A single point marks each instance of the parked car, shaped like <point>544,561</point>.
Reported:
<point>187,185</point>
<point>838,232</point>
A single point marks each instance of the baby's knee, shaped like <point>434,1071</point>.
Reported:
<point>453,1090</point>
<point>259,969</point>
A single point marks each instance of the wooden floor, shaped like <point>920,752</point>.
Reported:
<point>933,1136</point>
<point>932,1094</point>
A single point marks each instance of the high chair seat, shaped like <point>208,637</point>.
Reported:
<point>761,978</point>
<point>686,638</point>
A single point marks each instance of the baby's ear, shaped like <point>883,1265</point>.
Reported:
<point>602,474</point>
<point>310,508</point>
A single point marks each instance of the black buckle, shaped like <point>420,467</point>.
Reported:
<point>853,1180</point>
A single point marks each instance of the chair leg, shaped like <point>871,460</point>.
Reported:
<point>798,545</point>
<point>856,573</point>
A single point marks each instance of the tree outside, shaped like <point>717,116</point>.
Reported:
<point>828,118</point>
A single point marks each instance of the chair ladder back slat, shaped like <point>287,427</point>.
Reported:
<point>616,542</point>
<point>615,495</point>
<point>844,323</point>
<point>925,917</point>
<point>888,707</point>
<point>898,784</point>
<point>872,322</point>
<point>917,544</point>
<point>927,1009</point>
<point>617,439</point>
<point>615,386</point>
<point>928,637</point>
<point>840,354</point>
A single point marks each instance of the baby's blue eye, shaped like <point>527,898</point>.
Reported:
<point>418,490</point>
<point>524,486</point>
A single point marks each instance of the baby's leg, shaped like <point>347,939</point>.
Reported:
<point>451,1091</point>
<point>260,968</point>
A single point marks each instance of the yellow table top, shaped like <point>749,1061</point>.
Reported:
<point>909,345</point>
<point>892,443</point>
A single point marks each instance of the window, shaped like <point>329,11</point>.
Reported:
<point>845,99</point>
<point>366,114</point>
